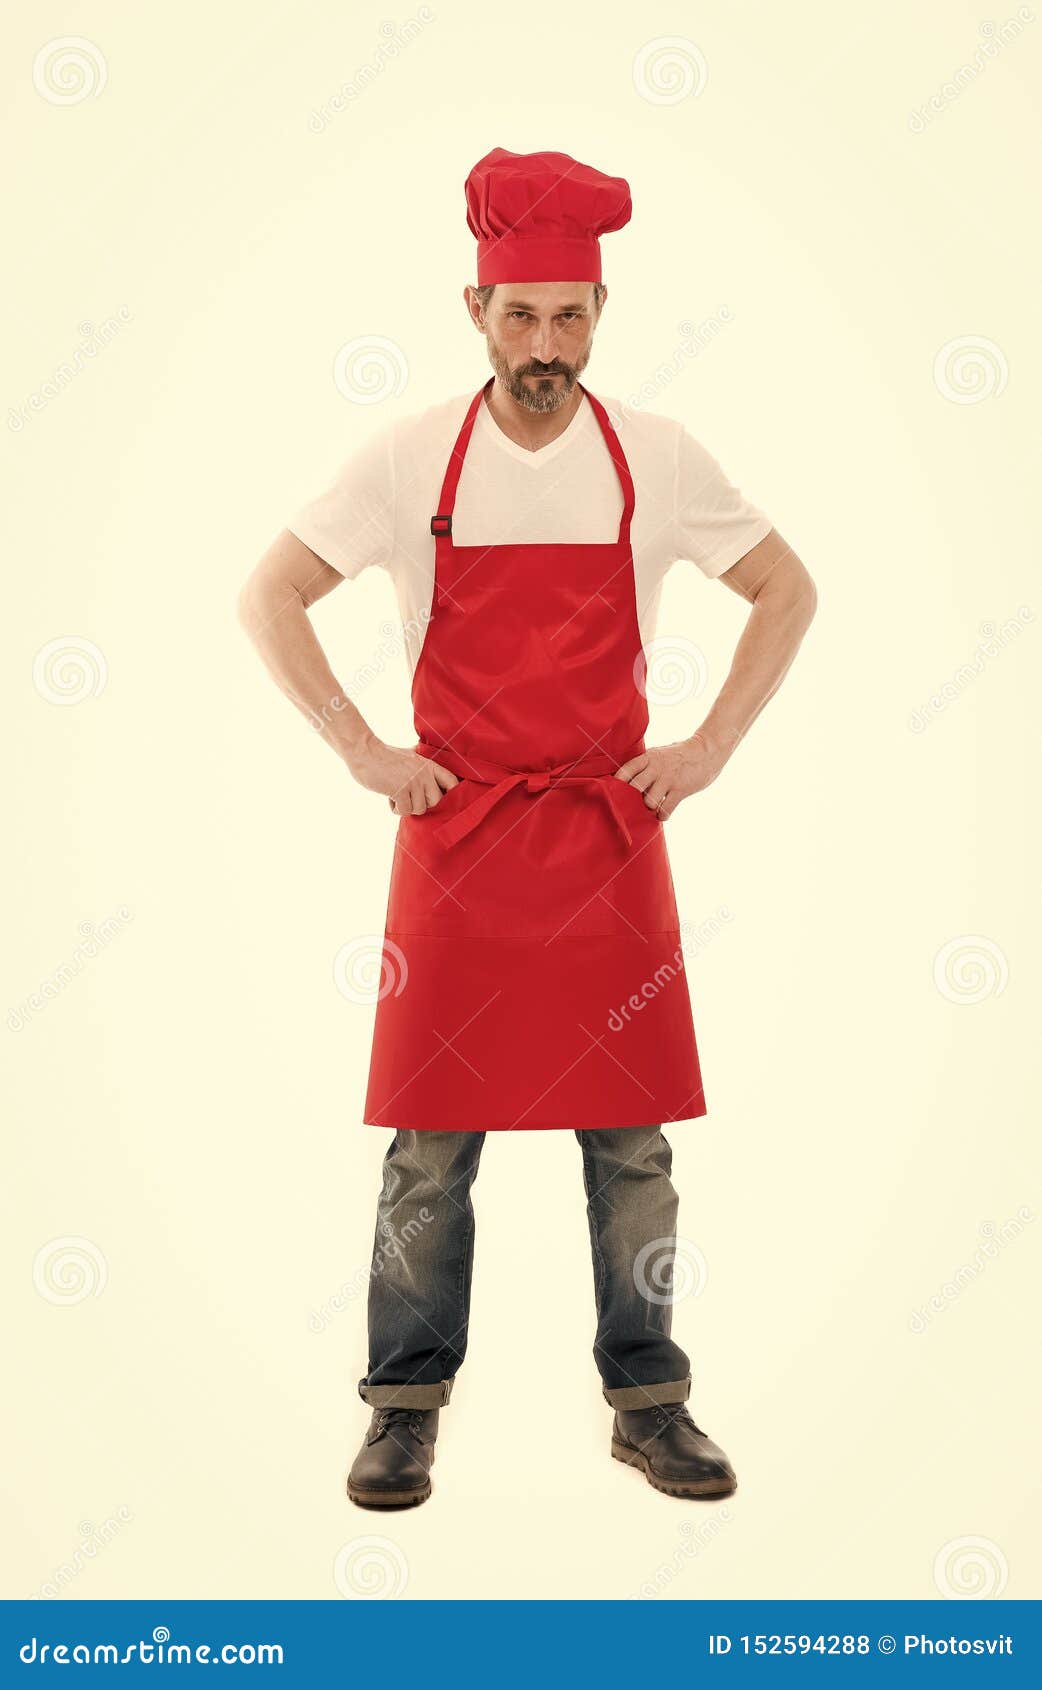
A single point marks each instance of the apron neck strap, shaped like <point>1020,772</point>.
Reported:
<point>441,523</point>
<point>622,468</point>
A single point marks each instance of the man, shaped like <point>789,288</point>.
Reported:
<point>532,932</point>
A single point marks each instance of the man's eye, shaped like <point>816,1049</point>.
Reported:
<point>519,316</point>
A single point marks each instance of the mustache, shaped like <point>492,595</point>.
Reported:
<point>554,369</point>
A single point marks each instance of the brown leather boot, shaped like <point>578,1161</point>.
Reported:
<point>392,1468</point>
<point>672,1452</point>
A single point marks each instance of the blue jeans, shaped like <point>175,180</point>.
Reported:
<point>423,1256</point>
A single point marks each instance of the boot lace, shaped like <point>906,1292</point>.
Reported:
<point>410,1418</point>
<point>677,1413</point>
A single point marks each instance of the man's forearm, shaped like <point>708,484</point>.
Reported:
<point>777,622</point>
<point>276,619</point>
<point>273,609</point>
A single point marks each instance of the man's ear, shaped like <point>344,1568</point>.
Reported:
<point>473,305</point>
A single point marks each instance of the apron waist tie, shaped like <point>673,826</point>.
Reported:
<point>596,771</point>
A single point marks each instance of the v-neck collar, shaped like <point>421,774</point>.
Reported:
<point>578,425</point>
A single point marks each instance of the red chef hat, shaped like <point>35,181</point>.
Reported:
<point>537,216</point>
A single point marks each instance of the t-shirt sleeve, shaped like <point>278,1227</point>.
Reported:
<point>715,525</point>
<point>350,524</point>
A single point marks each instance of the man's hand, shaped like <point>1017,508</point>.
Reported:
<point>668,773</point>
<point>773,581</point>
<point>412,784</point>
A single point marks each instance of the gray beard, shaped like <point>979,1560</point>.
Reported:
<point>547,395</point>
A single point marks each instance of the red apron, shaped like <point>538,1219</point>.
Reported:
<point>534,976</point>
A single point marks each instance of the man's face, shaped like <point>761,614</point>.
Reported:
<point>539,337</point>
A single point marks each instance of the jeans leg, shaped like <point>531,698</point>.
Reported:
<point>423,1256</point>
<point>632,1211</point>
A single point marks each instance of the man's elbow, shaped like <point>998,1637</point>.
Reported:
<point>261,598</point>
<point>807,600</point>
<point>248,607</point>
<point>797,593</point>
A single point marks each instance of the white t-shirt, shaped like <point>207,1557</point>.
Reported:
<point>379,505</point>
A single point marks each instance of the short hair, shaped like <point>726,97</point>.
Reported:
<point>486,290</point>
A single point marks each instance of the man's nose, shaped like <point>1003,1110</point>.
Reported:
<point>544,344</point>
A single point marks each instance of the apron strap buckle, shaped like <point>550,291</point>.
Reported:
<point>441,524</point>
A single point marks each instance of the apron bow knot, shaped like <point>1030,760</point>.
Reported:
<point>596,771</point>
